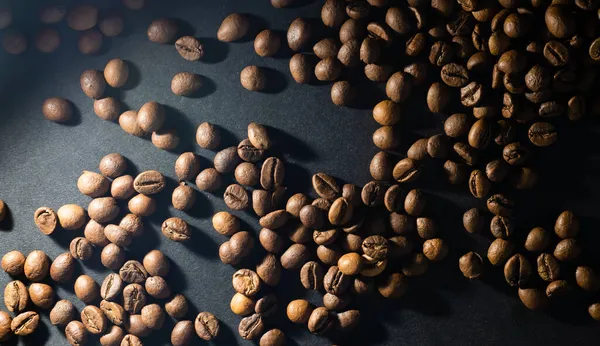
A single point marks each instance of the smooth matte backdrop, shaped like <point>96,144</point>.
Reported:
<point>40,162</point>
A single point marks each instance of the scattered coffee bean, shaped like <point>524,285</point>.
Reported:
<point>177,307</point>
<point>76,333</point>
<point>299,311</point>
<point>162,31</point>
<point>233,28</point>
<point>182,333</point>
<point>189,48</point>
<point>62,313</point>
<point>299,34</point>
<point>86,289</point>
<point>13,263</point>
<point>186,84</point>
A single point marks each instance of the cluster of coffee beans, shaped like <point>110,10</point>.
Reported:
<point>18,298</point>
<point>81,18</point>
<point>247,285</point>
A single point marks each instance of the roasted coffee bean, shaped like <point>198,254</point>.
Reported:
<point>94,232</point>
<point>226,160</point>
<point>328,69</point>
<point>267,43</point>
<point>479,185</point>
<point>90,42</point>
<point>533,298</point>
<point>542,134</point>
<point>473,220</point>
<point>82,17</point>
<point>253,78</point>
<point>418,150</point>
<point>351,263</point>
<point>415,44</point>
<point>406,170</point>
<point>500,204</point>
<point>548,267</point>
<point>241,305</point>
<point>340,212</point>
<point>62,268</point>
<point>208,136</point>
<point>415,202</point>
<point>209,180</point>
<point>335,282</point>
<point>558,289</point>
<point>111,26</point>
<point>435,249</point>
<point>379,31</point>
<point>517,270</point>
<point>576,107</point>
<point>295,256</point>
<point>551,109</point>
<point>537,78</point>
<point>269,270</point>
<point>499,251</point>
<point>342,93</point>
<point>379,73</point>
<point>480,134</point>
<point>165,139</point>
<point>149,182</point>
<point>76,333</point>
<point>311,275</point>
<point>92,184</point>
<point>587,279</point>
<point>417,265</point>
<point>182,333</point>
<point>393,286</point>
<point>13,263</point>
<point>471,265</point>
<point>157,287</point>
<point>162,31</point>
<point>272,173</point>
<point>496,170</point>
<point>134,298</point>
<point>111,287</point>
<point>16,296</point>
<point>455,75</point>
<point>501,227</point>
<point>438,96</point>
<point>373,193</point>
<point>177,306</point>
<point>370,50</point>
<point>57,109</point>
<point>566,225</point>
<point>567,250</point>
<point>375,247</point>
<point>471,94</point>
<point>418,72</point>
<point>441,53</point>
<point>537,240</point>
<point>393,198</point>
<point>207,326</point>
<point>326,48</point>
<point>186,84</point>
<point>437,146</point>
<point>45,219</point>
<point>498,44</point>
<point>456,173</point>
<point>112,256</point>
<point>505,132</point>
<point>133,272</point>
<point>113,312</point>
<point>233,28</point>
<point>251,327</point>
<point>426,228</point>
<point>246,281</point>
<point>325,186</point>
<point>62,313</point>
<point>189,48</point>
<point>320,321</point>
<point>116,73</point>
<point>93,319</point>
<point>37,265</point>
<point>515,154</point>
<point>122,187</point>
<point>398,87</point>
<point>381,166</point>
<point>302,68</point>
<point>556,53</point>
<point>153,316</point>
<point>86,289</point>
<point>299,311</point>
<point>236,197</point>
<point>299,34</point>
<point>187,166</point>
<point>478,62</point>
<point>349,53</point>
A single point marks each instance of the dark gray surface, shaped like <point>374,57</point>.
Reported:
<point>40,162</point>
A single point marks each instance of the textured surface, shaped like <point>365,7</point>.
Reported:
<point>40,162</point>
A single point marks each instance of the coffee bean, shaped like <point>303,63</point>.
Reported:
<point>149,182</point>
<point>398,87</point>
<point>93,319</point>
<point>267,43</point>
<point>241,305</point>
<point>517,270</point>
<point>473,220</point>
<point>515,154</point>
<point>176,229</point>
<point>45,219</point>
<point>438,96</point>
<point>299,34</point>
<point>112,256</point>
<point>325,186</point>
<point>57,109</point>
<point>62,268</point>
<point>418,150</point>
<point>393,198</point>
<point>559,21</point>
<point>236,197</point>
<point>233,28</point>
<point>558,289</point>
<point>533,298</point>
<point>272,173</point>
<point>342,93</point>
<point>92,83</point>
<point>415,44</point>
<point>165,139</point>
<point>253,78</point>
<point>437,146</point>
<point>358,9</point>
<point>496,170</point>
<point>567,250</point>
<point>326,48</point>
<point>455,75</point>
<point>82,17</point>
<point>456,173</point>
<point>587,279</point>
<point>480,134</point>
<point>471,265</point>
<point>134,298</point>
<point>373,193</point>
<point>182,333</point>
<point>90,42</point>
<point>320,321</point>
<point>381,166</point>
<point>273,337</point>
<point>111,287</point>
<point>351,263</point>
<point>246,282</point>
<point>512,61</point>
<point>418,72</point>
<point>393,286</point>
<point>379,31</point>
<point>299,311</point>
<point>340,212</point>
<point>499,251</point>
<point>567,225</point>
<point>537,240</point>
<point>500,204</point>
<point>142,205</point>
<point>37,266</point>
<point>295,256</point>
<point>153,316</point>
<point>406,170</point>
<point>375,247</point>
<point>206,326</point>
<point>501,227</point>
<point>162,31</point>
<point>209,180</point>
<point>189,48</point>
<point>542,134</point>
<point>103,209</point>
<point>311,275</point>
<point>151,116</point>
<point>16,296</point>
<point>471,94</point>
<point>251,327</point>
<point>117,235</point>
<point>76,333</point>
<point>186,84</point>
<point>302,68</point>
<point>157,287</point>
<point>548,267</point>
<point>111,26</point>
<point>13,263</point>
<point>379,73</point>
<point>177,306</point>
<point>114,312</point>
<point>335,282</point>
<point>62,313</point>
<point>183,197</point>
<point>133,272</point>
<point>269,270</point>
<point>441,53</point>
<point>81,248</point>
<point>435,249</point>
<point>86,289</point>
<point>426,228</point>
<point>415,202</point>
<point>479,185</point>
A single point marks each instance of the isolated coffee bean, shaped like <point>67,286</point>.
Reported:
<point>302,68</point>
<point>587,279</point>
<point>299,34</point>
<point>57,109</point>
<point>471,265</point>
<point>267,43</point>
<point>253,78</point>
<point>233,28</point>
<point>189,48</point>
<point>186,84</point>
<point>177,306</point>
<point>45,219</point>
<point>162,31</point>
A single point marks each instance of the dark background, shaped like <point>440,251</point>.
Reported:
<point>40,162</point>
